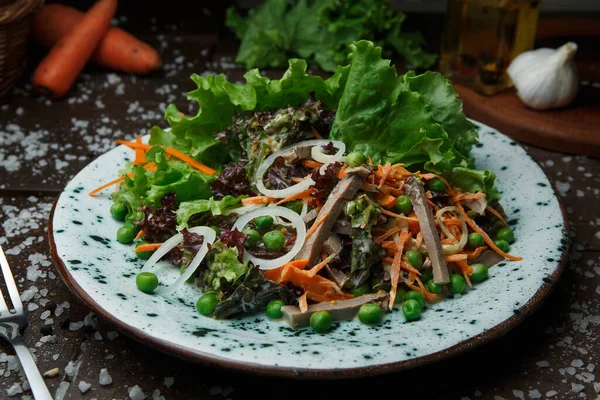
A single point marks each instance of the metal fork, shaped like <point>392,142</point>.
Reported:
<point>10,323</point>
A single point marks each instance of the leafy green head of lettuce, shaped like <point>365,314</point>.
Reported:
<point>171,176</point>
<point>413,119</point>
<point>224,268</point>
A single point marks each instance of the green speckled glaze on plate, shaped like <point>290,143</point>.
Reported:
<point>102,272</point>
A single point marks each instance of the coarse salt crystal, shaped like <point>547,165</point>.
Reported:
<point>14,390</point>
<point>84,386</point>
<point>75,326</point>
<point>97,335</point>
<point>519,394</point>
<point>535,394</point>
<point>168,381</point>
<point>71,369</point>
<point>577,363</point>
<point>542,364</point>
<point>105,378</point>
<point>45,314</point>
<point>597,387</point>
<point>112,335</point>
<point>215,390</point>
<point>551,393</point>
<point>577,387</point>
<point>156,395</point>
<point>136,393</point>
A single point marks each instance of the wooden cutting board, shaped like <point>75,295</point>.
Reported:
<point>573,129</point>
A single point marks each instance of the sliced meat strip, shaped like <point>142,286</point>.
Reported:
<point>431,238</point>
<point>340,310</point>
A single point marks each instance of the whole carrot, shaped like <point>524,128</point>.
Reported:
<point>117,50</point>
<point>59,69</point>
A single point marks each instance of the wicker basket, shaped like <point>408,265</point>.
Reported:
<point>15,18</point>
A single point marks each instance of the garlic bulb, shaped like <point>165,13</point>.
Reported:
<point>546,78</point>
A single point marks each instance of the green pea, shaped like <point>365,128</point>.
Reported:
<point>216,229</point>
<point>480,273</point>
<point>476,240</point>
<point>253,238</point>
<point>426,276</point>
<point>295,206</point>
<point>118,211</point>
<point>417,296</point>
<point>433,287</point>
<point>472,214</point>
<point>361,290</point>
<point>207,303</point>
<point>274,240</point>
<point>126,233</point>
<point>265,222</point>
<point>400,292</point>
<point>274,309</point>
<point>411,310</point>
<point>506,234</point>
<point>146,281</point>
<point>356,158</point>
<point>502,245</point>
<point>437,185</point>
<point>191,279</point>
<point>403,204</point>
<point>320,321</point>
<point>143,255</point>
<point>369,314</point>
<point>457,284</point>
<point>414,258</point>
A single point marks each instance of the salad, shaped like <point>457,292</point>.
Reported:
<point>315,200</point>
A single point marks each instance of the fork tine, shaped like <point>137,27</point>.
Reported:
<point>10,284</point>
<point>3,306</point>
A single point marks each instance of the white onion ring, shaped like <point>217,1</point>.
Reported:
<point>276,211</point>
<point>299,187</point>
<point>304,208</point>
<point>458,246</point>
<point>317,151</point>
<point>209,238</point>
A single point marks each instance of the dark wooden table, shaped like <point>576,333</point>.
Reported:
<point>553,354</point>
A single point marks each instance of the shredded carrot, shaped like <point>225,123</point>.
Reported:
<point>315,225</point>
<point>147,247</point>
<point>453,221</point>
<point>394,215</point>
<point>464,266</point>
<point>342,172</point>
<point>305,194</point>
<point>497,214</point>
<point>106,185</point>
<point>403,265</point>
<point>316,133</point>
<point>389,245</point>
<point>311,164</point>
<point>275,273</point>
<point>487,239</point>
<point>431,176</point>
<point>387,234</point>
<point>302,303</point>
<point>419,239</point>
<point>387,169</point>
<point>455,257</point>
<point>475,253</point>
<point>450,240</point>
<point>150,167</point>
<point>175,153</point>
<point>396,263</point>
<point>469,196</point>
<point>385,200</point>
<point>139,235</point>
<point>315,270</point>
<point>257,200</point>
<point>140,154</point>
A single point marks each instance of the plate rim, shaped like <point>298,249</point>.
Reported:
<point>208,359</point>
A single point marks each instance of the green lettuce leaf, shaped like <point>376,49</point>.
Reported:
<point>218,99</point>
<point>224,268</point>
<point>416,120</point>
<point>171,176</point>
<point>320,31</point>
<point>187,209</point>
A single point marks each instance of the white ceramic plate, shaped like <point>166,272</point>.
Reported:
<point>102,272</point>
